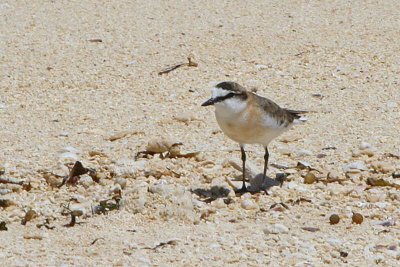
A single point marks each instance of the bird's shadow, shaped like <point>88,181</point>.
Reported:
<point>259,183</point>
<point>209,195</point>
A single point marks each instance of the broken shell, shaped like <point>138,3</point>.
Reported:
<point>357,218</point>
<point>29,215</point>
<point>160,146</point>
<point>334,219</point>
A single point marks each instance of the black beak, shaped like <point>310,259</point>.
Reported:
<point>209,102</point>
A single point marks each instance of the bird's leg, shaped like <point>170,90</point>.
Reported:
<point>266,157</point>
<point>243,189</point>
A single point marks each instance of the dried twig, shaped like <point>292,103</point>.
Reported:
<point>96,40</point>
<point>161,244</point>
<point>10,180</point>
<point>310,229</point>
<point>122,134</point>
<point>169,69</point>
<point>391,155</point>
<point>97,239</point>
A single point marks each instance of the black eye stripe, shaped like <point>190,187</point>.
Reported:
<point>222,98</point>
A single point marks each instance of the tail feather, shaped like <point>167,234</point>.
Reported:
<point>297,115</point>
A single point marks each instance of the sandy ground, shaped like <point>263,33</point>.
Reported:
<point>63,94</point>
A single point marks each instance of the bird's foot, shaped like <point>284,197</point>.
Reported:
<point>242,190</point>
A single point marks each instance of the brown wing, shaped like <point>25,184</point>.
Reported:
<point>282,115</point>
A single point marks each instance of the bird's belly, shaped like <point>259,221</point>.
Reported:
<point>247,131</point>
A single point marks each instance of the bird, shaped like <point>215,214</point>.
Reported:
<point>248,118</point>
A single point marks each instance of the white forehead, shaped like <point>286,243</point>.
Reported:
<point>216,92</point>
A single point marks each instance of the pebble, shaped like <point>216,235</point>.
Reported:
<point>121,181</point>
<point>128,167</point>
<point>375,195</point>
<point>276,229</point>
<point>248,204</point>
<point>310,178</point>
<point>261,67</point>
<point>357,165</point>
<point>334,242</point>
<point>369,152</point>
<point>391,105</point>
<point>357,218</point>
<point>334,219</point>
<point>364,145</point>
<point>333,175</point>
<point>5,191</point>
<point>68,157</point>
<point>219,203</point>
<point>70,149</point>
<point>86,181</point>
<point>284,151</point>
<point>116,189</point>
<point>382,167</point>
<point>295,186</point>
<point>303,153</point>
<point>161,188</point>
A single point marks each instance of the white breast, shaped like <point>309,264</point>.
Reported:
<point>242,127</point>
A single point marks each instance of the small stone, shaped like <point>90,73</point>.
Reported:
<point>5,191</point>
<point>29,215</point>
<point>161,188</point>
<point>391,105</point>
<point>68,157</point>
<point>303,153</point>
<point>310,178</point>
<point>115,190</point>
<point>284,151</point>
<point>219,203</point>
<point>334,242</point>
<point>334,219</point>
<point>276,229</point>
<point>333,175</point>
<point>261,67</point>
<point>375,195</point>
<point>396,175</point>
<point>369,152</point>
<point>353,176</point>
<point>121,181</point>
<point>86,181</point>
<point>295,186</point>
<point>382,167</point>
<point>364,145</point>
<point>357,165</point>
<point>357,218</point>
<point>248,204</point>
<point>70,149</point>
